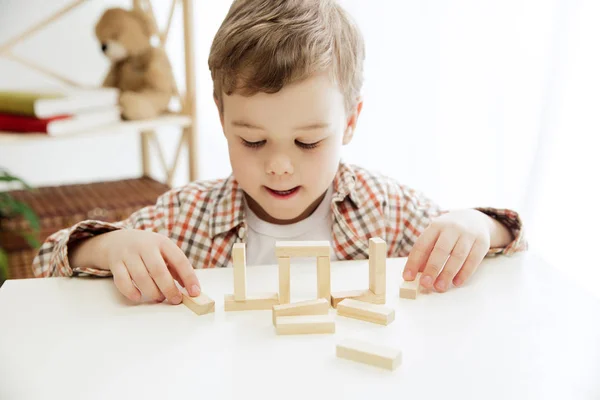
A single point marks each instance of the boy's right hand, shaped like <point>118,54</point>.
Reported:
<point>143,262</point>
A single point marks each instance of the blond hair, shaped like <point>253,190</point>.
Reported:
<point>263,45</point>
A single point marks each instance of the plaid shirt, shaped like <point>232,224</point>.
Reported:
<point>206,218</point>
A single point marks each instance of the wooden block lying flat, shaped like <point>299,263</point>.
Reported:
<point>369,353</point>
<point>284,280</point>
<point>302,248</point>
<point>264,301</point>
<point>305,324</point>
<point>363,295</point>
<point>323,277</point>
<point>239,271</point>
<point>201,304</point>
<point>366,311</point>
<point>410,289</point>
<point>377,265</point>
<point>309,307</point>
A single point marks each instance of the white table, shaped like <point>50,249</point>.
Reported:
<point>516,331</point>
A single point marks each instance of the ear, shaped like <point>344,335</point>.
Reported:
<point>352,120</point>
<point>144,19</point>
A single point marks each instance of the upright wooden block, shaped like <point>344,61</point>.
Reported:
<point>323,277</point>
<point>410,289</point>
<point>284,280</point>
<point>362,295</point>
<point>264,301</point>
<point>201,304</point>
<point>369,353</point>
<point>239,271</point>
<point>302,248</point>
<point>304,324</point>
<point>309,307</point>
<point>366,311</point>
<point>377,265</point>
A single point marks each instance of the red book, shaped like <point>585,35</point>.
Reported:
<point>58,125</point>
<point>25,124</point>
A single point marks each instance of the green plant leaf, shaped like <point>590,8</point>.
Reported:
<point>3,266</point>
<point>28,214</point>
<point>7,177</point>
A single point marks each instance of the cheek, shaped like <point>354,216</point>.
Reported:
<point>243,163</point>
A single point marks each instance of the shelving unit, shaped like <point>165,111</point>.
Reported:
<point>185,120</point>
<point>61,206</point>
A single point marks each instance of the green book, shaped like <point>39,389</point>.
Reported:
<point>51,104</point>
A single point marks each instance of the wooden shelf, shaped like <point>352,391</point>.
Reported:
<point>175,120</point>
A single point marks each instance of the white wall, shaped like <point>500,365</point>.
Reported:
<point>476,103</point>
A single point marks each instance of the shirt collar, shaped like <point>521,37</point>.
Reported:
<point>228,211</point>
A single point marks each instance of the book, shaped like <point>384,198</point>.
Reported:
<point>48,104</point>
<point>60,124</point>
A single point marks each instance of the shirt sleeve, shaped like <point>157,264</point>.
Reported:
<point>52,258</point>
<point>410,212</point>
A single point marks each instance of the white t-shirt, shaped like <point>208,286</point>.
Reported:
<point>261,236</point>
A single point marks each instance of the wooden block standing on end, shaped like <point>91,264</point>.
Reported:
<point>201,304</point>
<point>377,265</point>
<point>264,301</point>
<point>284,280</point>
<point>302,248</point>
<point>309,307</point>
<point>239,271</point>
<point>410,289</point>
<point>363,295</point>
<point>304,324</point>
<point>366,311</point>
<point>323,278</point>
<point>369,353</point>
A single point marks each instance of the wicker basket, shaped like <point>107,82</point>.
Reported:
<point>59,207</point>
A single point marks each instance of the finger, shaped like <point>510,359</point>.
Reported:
<point>162,278</point>
<point>456,260</point>
<point>477,254</point>
<point>440,253</point>
<point>141,277</point>
<point>177,260</point>
<point>124,283</point>
<point>420,252</point>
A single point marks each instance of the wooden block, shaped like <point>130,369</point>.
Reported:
<point>304,324</point>
<point>374,313</point>
<point>284,280</point>
<point>201,304</point>
<point>377,265</point>
<point>369,353</point>
<point>410,289</point>
<point>302,248</point>
<point>323,278</point>
<point>239,271</point>
<point>264,301</point>
<point>363,295</point>
<point>309,307</point>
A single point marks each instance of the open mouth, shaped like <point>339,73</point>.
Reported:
<point>283,194</point>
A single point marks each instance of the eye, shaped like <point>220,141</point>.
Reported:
<point>254,145</point>
<point>307,146</point>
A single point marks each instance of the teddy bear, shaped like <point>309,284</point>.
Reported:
<point>140,71</point>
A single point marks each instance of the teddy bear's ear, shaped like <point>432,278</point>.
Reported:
<point>145,20</point>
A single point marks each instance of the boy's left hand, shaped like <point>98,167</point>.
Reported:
<point>450,249</point>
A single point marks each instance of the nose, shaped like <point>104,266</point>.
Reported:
<point>279,165</point>
<point>104,47</point>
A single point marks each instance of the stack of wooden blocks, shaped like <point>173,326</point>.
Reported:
<point>313,316</point>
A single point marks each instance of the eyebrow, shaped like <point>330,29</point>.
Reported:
<point>317,125</point>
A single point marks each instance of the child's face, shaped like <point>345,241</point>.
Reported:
<point>285,147</point>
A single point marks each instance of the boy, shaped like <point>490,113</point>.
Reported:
<point>287,78</point>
